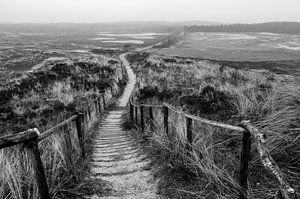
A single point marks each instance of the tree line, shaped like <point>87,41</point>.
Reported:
<point>271,27</point>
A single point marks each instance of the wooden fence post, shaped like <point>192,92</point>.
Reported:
<point>80,133</point>
<point>286,191</point>
<point>245,156</point>
<point>38,167</point>
<point>68,145</point>
<point>151,118</point>
<point>89,113</point>
<point>96,108</point>
<point>136,114</point>
<point>99,105</point>
<point>131,111</point>
<point>85,120</point>
<point>142,118</point>
<point>166,116</point>
<point>104,103</point>
<point>189,134</point>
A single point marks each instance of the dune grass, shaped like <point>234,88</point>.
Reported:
<point>66,170</point>
<point>271,102</point>
<point>58,90</point>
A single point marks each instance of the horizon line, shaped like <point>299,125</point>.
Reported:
<point>145,21</point>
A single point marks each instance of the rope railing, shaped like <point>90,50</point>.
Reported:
<point>32,137</point>
<point>285,191</point>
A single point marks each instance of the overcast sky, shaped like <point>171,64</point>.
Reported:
<point>149,10</point>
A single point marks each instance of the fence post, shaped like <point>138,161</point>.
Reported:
<point>166,116</point>
<point>96,108</point>
<point>104,103</point>
<point>189,134</point>
<point>68,146</point>
<point>136,114</point>
<point>151,118</point>
<point>80,133</point>
<point>131,111</point>
<point>90,115</point>
<point>245,156</point>
<point>85,120</point>
<point>38,167</point>
<point>142,118</point>
<point>99,105</point>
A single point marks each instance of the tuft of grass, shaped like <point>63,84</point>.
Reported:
<point>63,92</point>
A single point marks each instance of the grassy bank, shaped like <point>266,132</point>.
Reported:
<point>42,99</point>
<point>214,91</point>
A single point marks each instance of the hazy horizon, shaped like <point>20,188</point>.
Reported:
<point>121,22</point>
<point>111,11</point>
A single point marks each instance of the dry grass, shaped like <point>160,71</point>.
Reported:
<point>269,101</point>
<point>17,179</point>
<point>63,92</point>
<point>57,93</point>
<point>66,171</point>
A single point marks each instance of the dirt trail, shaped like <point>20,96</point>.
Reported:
<point>117,158</point>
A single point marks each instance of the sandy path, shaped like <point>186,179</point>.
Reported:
<point>117,158</point>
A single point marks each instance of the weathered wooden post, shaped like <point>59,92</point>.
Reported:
<point>88,120</point>
<point>286,191</point>
<point>245,156</point>
<point>136,114</point>
<point>131,111</point>
<point>104,103</point>
<point>84,120</point>
<point>189,134</point>
<point>151,118</point>
<point>99,105</point>
<point>96,107</point>
<point>80,132</point>
<point>89,113</point>
<point>142,118</point>
<point>68,142</point>
<point>166,116</point>
<point>35,156</point>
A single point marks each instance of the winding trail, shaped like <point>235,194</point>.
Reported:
<point>117,158</point>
